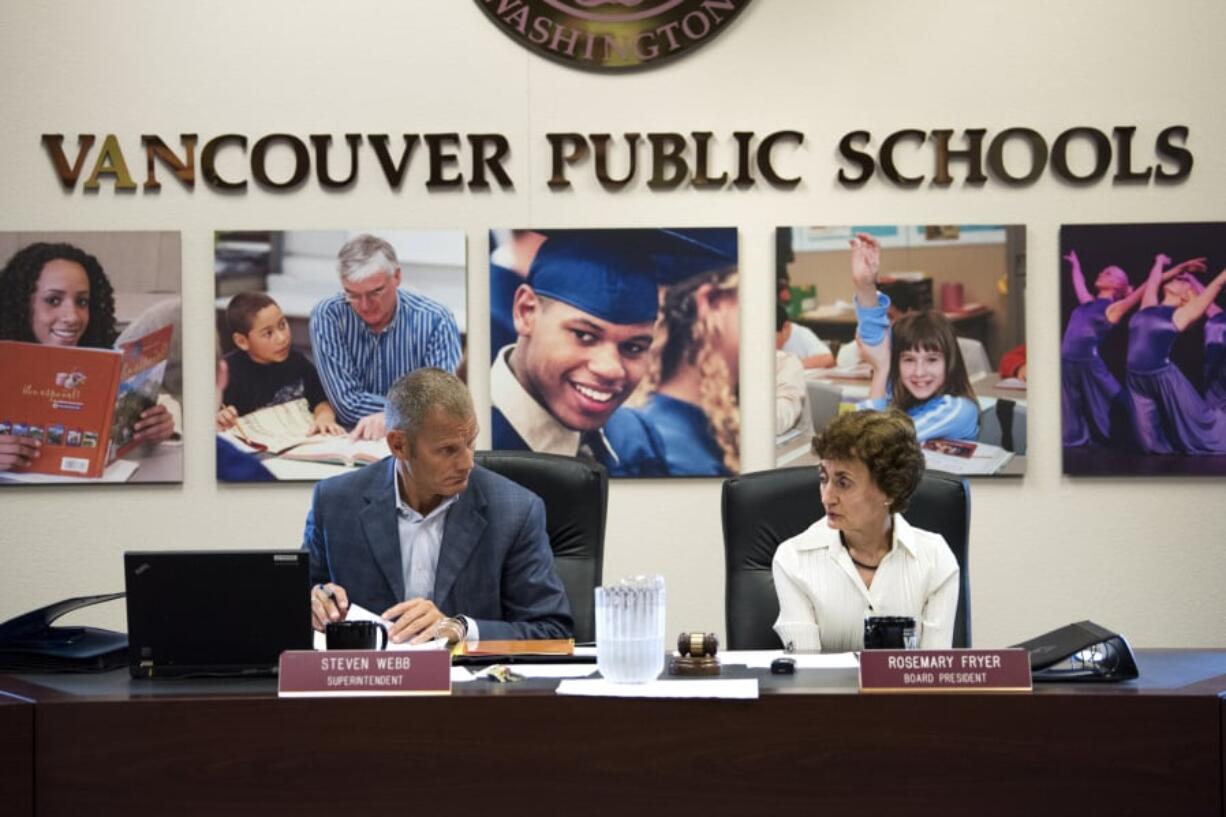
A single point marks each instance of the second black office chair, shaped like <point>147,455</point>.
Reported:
<point>762,510</point>
<point>576,497</point>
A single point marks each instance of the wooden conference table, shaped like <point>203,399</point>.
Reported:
<point>106,744</point>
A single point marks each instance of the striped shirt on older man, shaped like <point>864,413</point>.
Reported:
<point>358,366</point>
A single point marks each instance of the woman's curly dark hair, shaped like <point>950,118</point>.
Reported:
<point>19,278</point>
<point>885,442</point>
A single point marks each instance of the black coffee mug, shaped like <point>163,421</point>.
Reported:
<point>889,633</point>
<point>356,635</point>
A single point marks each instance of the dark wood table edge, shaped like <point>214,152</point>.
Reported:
<point>17,754</point>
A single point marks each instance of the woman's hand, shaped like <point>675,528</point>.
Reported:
<point>156,424</point>
<point>1192,265</point>
<point>227,418</point>
<point>17,452</point>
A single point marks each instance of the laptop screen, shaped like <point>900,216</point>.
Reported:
<point>219,612</point>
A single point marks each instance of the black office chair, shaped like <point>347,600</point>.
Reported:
<point>763,509</point>
<point>576,496</point>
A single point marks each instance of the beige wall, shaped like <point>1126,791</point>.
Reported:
<point>1142,556</point>
<point>134,261</point>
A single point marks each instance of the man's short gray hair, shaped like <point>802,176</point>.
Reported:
<point>412,397</point>
<point>363,256</point>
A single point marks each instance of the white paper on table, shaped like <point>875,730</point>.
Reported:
<point>299,470</point>
<point>733,688</point>
<point>588,652</point>
<point>761,659</point>
<point>359,613</point>
<point>552,670</point>
<point>461,675</point>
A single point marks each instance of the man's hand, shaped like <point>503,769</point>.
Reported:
<point>329,602</point>
<point>17,451</point>
<point>413,619</point>
<point>227,417</point>
<point>370,427</point>
<point>155,425</point>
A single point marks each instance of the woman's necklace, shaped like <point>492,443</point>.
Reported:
<point>854,560</point>
<point>860,564</point>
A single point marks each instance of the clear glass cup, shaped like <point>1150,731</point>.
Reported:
<point>630,630</point>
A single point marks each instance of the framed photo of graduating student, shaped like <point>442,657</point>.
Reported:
<point>618,345</point>
<point>1143,349</point>
<point>91,371</point>
<point>928,319</point>
<point>313,327</point>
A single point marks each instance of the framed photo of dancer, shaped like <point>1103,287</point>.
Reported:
<point>618,345</point>
<point>1143,349</point>
<point>313,327</point>
<point>929,319</point>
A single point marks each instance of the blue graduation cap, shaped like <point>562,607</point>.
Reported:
<point>615,275</point>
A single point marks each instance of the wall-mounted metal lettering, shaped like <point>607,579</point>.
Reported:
<point>484,155</point>
<point>977,153</point>
<point>907,158</point>
<point>676,160</point>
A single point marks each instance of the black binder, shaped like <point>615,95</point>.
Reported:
<point>1084,651</point>
<point>29,643</point>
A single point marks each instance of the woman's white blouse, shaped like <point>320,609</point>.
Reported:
<point>823,601</point>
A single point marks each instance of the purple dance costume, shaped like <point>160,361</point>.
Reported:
<point>1088,390</point>
<point>1215,361</point>
<point>1168,413</point>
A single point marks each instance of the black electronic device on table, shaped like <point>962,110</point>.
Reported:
<point>28,643</point>
<point>216,612</point>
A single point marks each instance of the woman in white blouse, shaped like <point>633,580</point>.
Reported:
<point>862,558</point>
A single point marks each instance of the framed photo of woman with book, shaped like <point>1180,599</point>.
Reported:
<point>90,361</point>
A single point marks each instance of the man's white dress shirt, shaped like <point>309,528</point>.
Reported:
<point>421,539</point>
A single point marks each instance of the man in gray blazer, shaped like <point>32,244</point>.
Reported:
<point>432,542</point>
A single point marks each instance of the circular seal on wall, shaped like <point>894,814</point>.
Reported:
<point>612,36</point>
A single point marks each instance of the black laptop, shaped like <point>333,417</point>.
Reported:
<point>215,612</point>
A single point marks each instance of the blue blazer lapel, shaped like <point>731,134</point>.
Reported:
<point>465,524</point>
<point>378,520</point>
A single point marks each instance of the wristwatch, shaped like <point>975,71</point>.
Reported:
<point>453,629</point>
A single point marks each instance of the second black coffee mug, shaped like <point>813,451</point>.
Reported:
<point>356,635</point>
<point>889,633</point>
